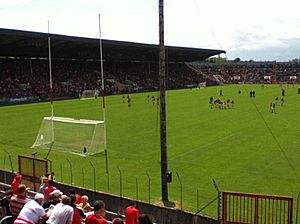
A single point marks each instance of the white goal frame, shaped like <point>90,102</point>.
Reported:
<point>50,132</point>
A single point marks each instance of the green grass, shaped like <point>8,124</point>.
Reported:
<point>233,146</point>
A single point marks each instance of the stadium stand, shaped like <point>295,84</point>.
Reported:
<point>29,78</point>
<point>249,72</point>
<point>128,67</point>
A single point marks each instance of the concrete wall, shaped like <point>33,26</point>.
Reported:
<point>161,215</point>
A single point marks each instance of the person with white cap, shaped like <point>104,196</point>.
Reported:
<point>54,199</point>
<point>32,211</point>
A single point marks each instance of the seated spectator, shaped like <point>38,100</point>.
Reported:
<point>4,203</point>
<point>32,211</point>
<point>62,212</point>
<point>54,198</point>
<point>98,216</point>
<point>144,219</point>
<point>49,189</point>
<point>117,221</point>
<point>78,214</point>
<point>17,201</point>
<point>132,213</point>
<point>84,204</point>
<point>72,192</point>
<point>15,183</point>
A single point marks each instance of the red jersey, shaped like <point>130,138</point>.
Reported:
<point>16,204</point>
<point>15,184</point>
<point>77,219</point>
<point>78,199</point>
<point>47,192</point>
<point>132,214</point>
<point>93,219</point>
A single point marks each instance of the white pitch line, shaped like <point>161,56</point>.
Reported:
<point>202,146</point>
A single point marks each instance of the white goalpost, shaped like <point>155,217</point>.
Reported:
<point>89,94</point>
<point>202,85</point>
<point>78,136</point>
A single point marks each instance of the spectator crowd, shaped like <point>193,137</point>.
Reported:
<point>250,72</point>
<point>51,206</point>
<point>30,77</point>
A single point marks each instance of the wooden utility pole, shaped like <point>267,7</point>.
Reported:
<point>163,117</point>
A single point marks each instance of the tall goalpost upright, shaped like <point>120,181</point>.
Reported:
<point>50,90</point>
<point>79,136</point>
<point>103,101</point>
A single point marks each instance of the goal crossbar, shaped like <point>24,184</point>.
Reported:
<point>80,136</point>
<point>73,120</point>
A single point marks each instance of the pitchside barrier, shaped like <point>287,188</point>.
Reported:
<point>244,208</point>
<point>32,169</point>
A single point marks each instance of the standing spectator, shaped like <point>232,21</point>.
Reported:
<point>16,182</point>
<point>32,211</point>
<point>78,214</point>
<point>132,213</point>
<point>98,216</point>
<point>62,212</point>
<point>49,189</point>
<point>44,181</point>
<point>43,186</point>
<point>52,174</point>
<point>17,201</point>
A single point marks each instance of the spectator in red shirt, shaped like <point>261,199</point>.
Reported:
<point>132,213</point>
<point>15,184</point>
<point>78,213</point>
<point>48,190</point>
<point>72,192</point>
<point>98,216</point>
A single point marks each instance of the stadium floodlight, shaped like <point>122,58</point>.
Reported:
<point>79,136</point>
<point>89,94</point>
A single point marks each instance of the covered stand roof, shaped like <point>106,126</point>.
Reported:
<point>17,43</point>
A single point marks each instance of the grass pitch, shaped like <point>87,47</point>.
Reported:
<point>245,149</point>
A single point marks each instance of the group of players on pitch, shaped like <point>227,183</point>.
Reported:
<point>217,103</point>
<point>153,99</point>
<point>273,104</point>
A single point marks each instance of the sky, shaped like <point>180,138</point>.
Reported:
<point>260,30</point>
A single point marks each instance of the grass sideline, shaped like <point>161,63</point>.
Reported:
<point>233,146</point>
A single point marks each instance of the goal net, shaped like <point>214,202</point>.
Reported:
<point>89,94</point>
<point>202,85</point>
<point>78,136</point>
